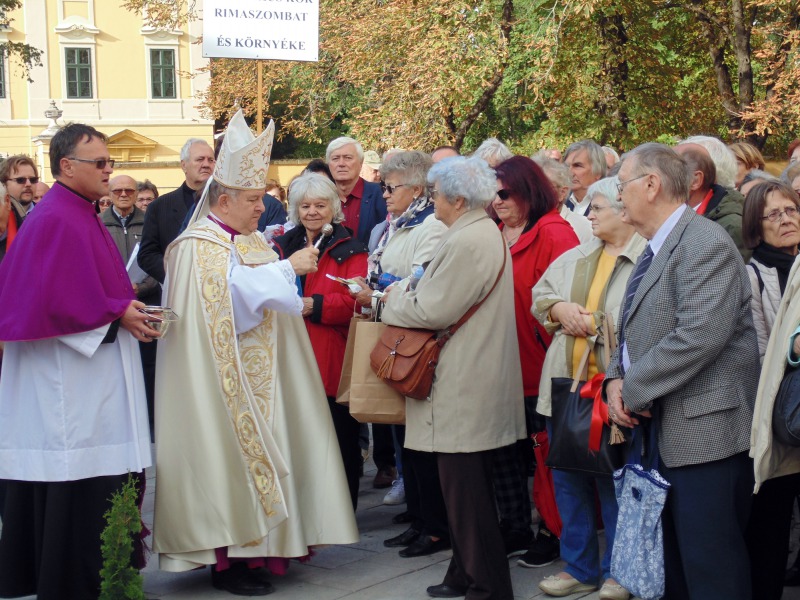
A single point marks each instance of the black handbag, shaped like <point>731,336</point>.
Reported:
<point>786,411</point>
<point>578,422</point>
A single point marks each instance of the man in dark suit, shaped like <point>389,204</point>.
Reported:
<point>162,221</point>
<point>688,354</point>
<point>362,202</point>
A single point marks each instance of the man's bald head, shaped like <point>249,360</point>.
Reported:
<point>122,190</point>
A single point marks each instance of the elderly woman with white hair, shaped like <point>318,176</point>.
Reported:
<point>493,151</point>
<point>474,406</point>
<point>327,305</point>
<point>570,300</point>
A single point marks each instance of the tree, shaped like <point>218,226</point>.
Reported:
<point>25,55</point>
<point>419,73</point>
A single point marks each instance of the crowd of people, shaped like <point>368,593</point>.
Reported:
<point>671,270</point>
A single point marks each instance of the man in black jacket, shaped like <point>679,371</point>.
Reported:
<point>162,222</point>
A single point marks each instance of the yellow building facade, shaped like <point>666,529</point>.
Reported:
<point>104,67</point>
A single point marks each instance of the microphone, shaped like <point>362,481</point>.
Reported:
<point>327,230</point>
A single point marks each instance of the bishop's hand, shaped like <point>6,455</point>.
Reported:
<point>305,260</point>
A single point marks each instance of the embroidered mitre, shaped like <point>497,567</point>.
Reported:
<point>244,158</point>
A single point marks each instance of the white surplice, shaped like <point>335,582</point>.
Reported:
<point>72,408</point>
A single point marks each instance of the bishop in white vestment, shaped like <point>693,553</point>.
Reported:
<point>247,458</point>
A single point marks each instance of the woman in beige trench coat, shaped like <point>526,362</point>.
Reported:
<point>474,405</point>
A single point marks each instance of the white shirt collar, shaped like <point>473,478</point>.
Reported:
<point>666,228</point>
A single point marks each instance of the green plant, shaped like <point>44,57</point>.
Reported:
<point>119,579</point>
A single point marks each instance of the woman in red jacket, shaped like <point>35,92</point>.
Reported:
<point>527,206</point>
<point>328,307</point>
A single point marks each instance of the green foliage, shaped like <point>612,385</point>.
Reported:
<point>24,55</point>
<point>119,579</point>
<point>535,73</point>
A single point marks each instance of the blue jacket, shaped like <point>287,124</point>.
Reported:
<point>373,210</point>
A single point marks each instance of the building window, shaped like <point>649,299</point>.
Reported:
<point>79,72</point>
<point>2,78</point>
<point>162,73</point>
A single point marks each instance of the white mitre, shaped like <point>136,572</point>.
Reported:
<point>244,158</point>
<point>242,162</point>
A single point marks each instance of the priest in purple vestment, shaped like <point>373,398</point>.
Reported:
<point>73,414</point>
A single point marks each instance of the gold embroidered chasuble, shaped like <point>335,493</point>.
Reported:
<point>247,457</point>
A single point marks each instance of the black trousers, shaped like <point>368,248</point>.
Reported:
<point>383,446</point>
<point>147,351</point>
<point>347,431</point>
<point>424,493</point>
<point>479,560</point>
<point>705,554</point>
<point>50,545</point>
<point>768,535</point>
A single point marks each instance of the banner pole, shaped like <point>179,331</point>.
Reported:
<point>260,103</point>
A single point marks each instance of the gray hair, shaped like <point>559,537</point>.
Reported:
<point>723,157</point>
<point>216,189</point>
<point>597,158</point>
<point>470,178</point>
<point>493,151</point>
<point>669,165</point>
<point>607,188</point>
<point>414,165</point>
<point>343,141</point>
<point>188,146</point>
<point>313,186</point>
<point>790,173</point>
<point>754,174</point>
<point>609,151</point>
<point>557,172</point>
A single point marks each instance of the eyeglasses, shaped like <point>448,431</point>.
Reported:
<point>503,194</point>
<point>622,184</point>
<point>776,215</point>
<point>596,209</point>
<point>391,188</point>
<point>100,163</point>
<point>129,191</point>
<point>104,202</point>
<point>22,180</point>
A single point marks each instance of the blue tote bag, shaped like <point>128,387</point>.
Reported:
<point>637,559</point>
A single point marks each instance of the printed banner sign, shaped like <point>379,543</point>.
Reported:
<point>266,29</point>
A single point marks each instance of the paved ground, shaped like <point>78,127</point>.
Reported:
<point>363,571</point>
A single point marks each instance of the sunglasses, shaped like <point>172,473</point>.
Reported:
<point>22,180</point>
<point>104,202</point>
<point>391,188</point>
<point>503,194</point>
<point>100,163</point>
<point>128,191</point>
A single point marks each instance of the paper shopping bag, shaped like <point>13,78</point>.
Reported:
<point>371,400</point>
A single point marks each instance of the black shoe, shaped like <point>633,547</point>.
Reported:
<point>424,545</point>
<point>446,591</point>
<point>792,578</point>
<point>544,551</point>
<point>402,518</point>
<point>240,581</point>
<point>517,543</point>
<point>408,537</point>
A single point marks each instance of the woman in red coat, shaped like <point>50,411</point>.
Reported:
<point>527,206</point>
<point>328,307</point>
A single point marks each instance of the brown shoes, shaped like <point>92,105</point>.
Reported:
<point>384,478</point>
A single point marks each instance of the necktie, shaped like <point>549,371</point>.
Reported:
<point>633,285</point>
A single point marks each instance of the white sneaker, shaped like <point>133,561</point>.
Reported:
<point>396,495</point>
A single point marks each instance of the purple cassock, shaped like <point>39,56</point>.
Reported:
<point>63,274</point>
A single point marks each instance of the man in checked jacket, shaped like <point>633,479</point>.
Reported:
<point>688,354</point>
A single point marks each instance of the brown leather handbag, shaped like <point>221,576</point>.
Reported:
<point>405,359</point>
